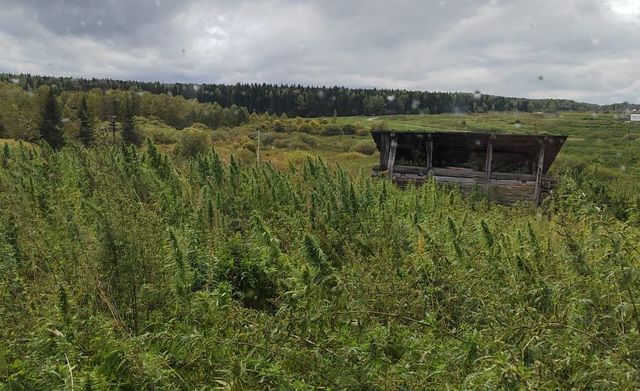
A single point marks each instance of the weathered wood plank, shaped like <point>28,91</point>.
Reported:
<point>384,151</point>
<point>429,153</point>
<point>537,193</point>
<point>392,154</point>
<point>487,162</point>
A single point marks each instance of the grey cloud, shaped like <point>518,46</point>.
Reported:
<point>583,49</point>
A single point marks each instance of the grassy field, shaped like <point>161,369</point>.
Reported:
<point>160,268</point>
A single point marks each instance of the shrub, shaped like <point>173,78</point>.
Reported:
<point>278,126</point>
<point>331,130</point>
<point>291,144</point>
<point>193,142</point>
<point>311,141</point>
<point>156,130</point>
<point>362,132</point>
<point>348,129</point>
<point>269,138</point>
<point>219,135</point>
<point>307,127</point>
<point>365,147</point>
<point>245,156</point>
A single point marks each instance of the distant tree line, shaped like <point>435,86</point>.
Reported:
<point>297,100</point>
<point>30,113</point>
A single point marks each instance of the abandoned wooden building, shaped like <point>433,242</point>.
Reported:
<point>507,167</point>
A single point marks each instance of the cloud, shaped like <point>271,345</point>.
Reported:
<point>584,49</point>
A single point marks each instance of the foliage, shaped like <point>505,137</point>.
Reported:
<point>86,127</point>
<point>129,132</point>
<point>123,268</point>
<point>193,141</point>
<point>365,147</point>
<point>317,101</point>
<point>50,123</point>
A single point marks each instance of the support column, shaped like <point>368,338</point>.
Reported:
<point>392,154</point>
<point>487,162</point>
<point>385,144</point>
<point>537,195</point>
<point>429,154</point>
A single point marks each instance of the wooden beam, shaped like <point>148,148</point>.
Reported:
<point>487,162</point>
<point>392,154</point>
<point>429,154</point>
<point>384,151</point>
<point>537,195</point>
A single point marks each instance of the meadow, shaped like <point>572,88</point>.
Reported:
<point>187,264</point>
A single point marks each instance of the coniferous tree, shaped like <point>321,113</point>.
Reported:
<point>86,128</point>
<point>50,125</point>
<point>129,133</point>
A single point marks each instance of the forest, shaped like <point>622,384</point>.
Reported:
<point>304,101</point>
<point>160,241</point>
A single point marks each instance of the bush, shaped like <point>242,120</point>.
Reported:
<point>362,132</point>
<point>365,147</point>
<point>278,126</point>
<point>219,135</point>
<point>332,130</point>
<point>348,129</point>
<point>291,144</point>
<point>156,130</point>
<point>311,141</point>
<point>193,142</point>
<point>269,138</point>
<point>245,156</point>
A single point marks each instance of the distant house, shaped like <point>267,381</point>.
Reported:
<point>635,118</point>
<point>507,167</point>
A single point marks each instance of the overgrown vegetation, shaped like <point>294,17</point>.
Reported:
<point>222,252</point>
<point>129,268</point>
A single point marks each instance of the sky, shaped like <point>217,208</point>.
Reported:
<point>584,50</point>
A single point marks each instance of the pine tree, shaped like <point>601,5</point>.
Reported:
<point>86,128</point>
<point>51,126</point>
<point>129,133</point>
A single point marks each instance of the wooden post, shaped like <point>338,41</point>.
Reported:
<point>392,154</point>
<point>429,154</point>
<point>537,196</point>
<point>384,150</point>
<point>487,162</point>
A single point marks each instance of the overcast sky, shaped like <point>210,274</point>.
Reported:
<point>577,49</point>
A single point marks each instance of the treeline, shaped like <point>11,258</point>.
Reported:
<point>297,100</point>
<point>22,108</point>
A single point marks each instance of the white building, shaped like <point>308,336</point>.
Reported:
<point>635,117</point>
